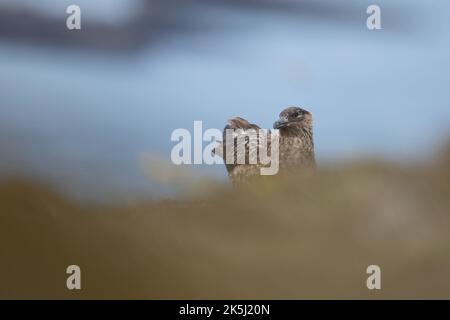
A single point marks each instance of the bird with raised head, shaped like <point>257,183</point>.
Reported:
<point>296,145</point>
<point>296,139</point>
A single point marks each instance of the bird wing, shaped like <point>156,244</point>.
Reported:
<point>238,130</point>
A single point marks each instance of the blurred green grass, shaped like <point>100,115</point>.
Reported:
<point>293,238</point>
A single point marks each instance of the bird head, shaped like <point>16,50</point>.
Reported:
<point>293,120</point>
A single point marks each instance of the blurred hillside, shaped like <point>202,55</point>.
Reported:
<point>80,110</point>
<point>301,237</point>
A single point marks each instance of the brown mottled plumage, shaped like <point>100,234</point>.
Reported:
<point>296,146</point>
<point>239,173</point>
<point>296,139</point>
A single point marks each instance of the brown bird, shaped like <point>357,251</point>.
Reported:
<point>296,139</point>
<point>296,146</point>
<point>242,171</point>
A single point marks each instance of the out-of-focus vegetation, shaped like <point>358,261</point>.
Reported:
<point>301,237</point>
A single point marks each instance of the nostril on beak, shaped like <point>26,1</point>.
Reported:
<point>280,124</point>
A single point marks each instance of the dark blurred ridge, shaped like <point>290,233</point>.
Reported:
<point>308,237</point>
<point>157,19</point>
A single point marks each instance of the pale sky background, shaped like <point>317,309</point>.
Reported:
<point>83,119</point>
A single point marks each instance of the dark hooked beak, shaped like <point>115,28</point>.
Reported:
<point>280,124</point>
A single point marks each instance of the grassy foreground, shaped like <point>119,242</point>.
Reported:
<point>302,237</point>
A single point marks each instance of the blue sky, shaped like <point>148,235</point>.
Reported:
<point>84,118</point>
